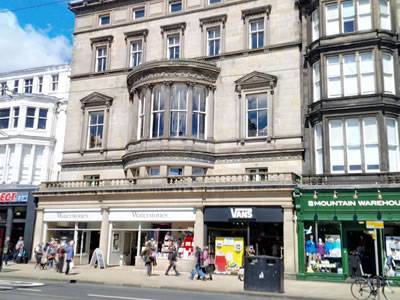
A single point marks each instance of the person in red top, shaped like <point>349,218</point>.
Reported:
<point>60,257</point>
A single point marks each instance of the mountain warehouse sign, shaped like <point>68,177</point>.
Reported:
<point>353,203</point>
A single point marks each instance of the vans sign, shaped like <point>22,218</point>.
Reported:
<point>242,213</point>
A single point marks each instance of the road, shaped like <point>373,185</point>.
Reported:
<point>83,291</point>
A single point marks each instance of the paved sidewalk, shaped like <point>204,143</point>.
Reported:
<point>127,276</point>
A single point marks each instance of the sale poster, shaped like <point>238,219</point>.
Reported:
<point>229,253</point>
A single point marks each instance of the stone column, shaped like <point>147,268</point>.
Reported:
<point>289,241</point>
<point>189,109</point>
<point>148,90</point>
<point>104,232</point>
<point>38,232</point>
<point>166,94</point>
<point>199,228</point>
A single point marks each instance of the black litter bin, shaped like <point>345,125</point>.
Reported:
<point>263,274</point>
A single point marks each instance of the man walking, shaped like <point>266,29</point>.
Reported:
<point>172,258</point>
<point>70,255</point>
<point>6,250</point>
<point>197,269</point>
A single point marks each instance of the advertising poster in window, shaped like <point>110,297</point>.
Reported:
<point>392,264</point>
<point>229,253</point>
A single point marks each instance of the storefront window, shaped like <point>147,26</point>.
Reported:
<point>323,247</point>
<point>391,242</point>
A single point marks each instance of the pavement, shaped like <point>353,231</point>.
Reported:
<point>127,276</point>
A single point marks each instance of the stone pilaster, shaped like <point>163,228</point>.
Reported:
<point>199,228</point>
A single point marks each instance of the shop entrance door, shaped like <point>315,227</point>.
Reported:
<point>130,247</point>
<point>360,243</point>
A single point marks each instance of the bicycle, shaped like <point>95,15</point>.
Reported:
<point>368,287</point>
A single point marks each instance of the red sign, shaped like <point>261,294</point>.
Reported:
<point>8,196</point>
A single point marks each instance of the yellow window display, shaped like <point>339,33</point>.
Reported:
<point>229,253</point>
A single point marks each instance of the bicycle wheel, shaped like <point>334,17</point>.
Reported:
<point>387,291</point>
<point>360,289</point>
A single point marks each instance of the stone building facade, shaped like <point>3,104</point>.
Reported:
<point>33,104</point>
<point>184,120</point>
<point>351,113</point>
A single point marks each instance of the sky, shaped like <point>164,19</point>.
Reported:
<point>34,33</point>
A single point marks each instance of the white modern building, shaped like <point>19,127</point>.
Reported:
<point>32,124</point>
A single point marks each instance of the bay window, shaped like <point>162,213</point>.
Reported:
<point>353,145</point>
<point>354,15</point>
<point>393,144</point>
<point>319,162</point>
<point>198,112</point>
<point>356,76</point>
<point>316,82</point>
<point>384,14</point>
<point>257,115</point>
<point>315,25</point>
<point>141,117</point>
<point>388,73</point>
<point>4,118</point>
<point>178,110</point>
<point>157,112</point>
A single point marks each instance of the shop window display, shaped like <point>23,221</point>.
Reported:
<point>323,247</point>
<point>392,247</point>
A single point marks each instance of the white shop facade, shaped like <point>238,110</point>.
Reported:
<point>130,229</point>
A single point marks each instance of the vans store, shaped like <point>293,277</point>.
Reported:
<point>340,229</point>
<point>229,230</point>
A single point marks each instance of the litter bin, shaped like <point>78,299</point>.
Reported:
<point>263,274</point>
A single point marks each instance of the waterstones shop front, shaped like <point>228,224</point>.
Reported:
<point>337,230</point>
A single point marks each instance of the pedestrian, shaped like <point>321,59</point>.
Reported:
<point>148,257</point>
<point>7,249</point>
<point>208,266</point>
<point>60,258</point>
<point>38,255</point>
<point>69,251</point>
<point>198,263</point>
<point>51,254</point>
<point>172,259</point>
<point>19,250</point>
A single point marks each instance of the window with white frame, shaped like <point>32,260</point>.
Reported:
<point>392,132</point>
<point>173,45</point>
<point>141,118</point>
<point>384,14</point>
<point>213,40</point>
<point>136,53</point>
<point>96,129</point>
<point>40,84</point>
<point>54,82</point>
<point>42,118</point>
<point>104,19</point>
<point>316,82</point>
<point>356,76</point>
<point>199,112</point>
<point>354,15</point>
<point>101,59</point>
<point>257,115</point>
<point>175,171</point>
<point>354,141</point>
<point>175,6</point>
<point>26,161</point>
<point>28,85</point>
<point>388,73</point>
<point>256,33</point>
<point>30,117</point>
<point>257,174</point>
<point>315,25</point>
<point>158,112</point>
<point>4,118</point>
<point>319,158</point>
<point>38,164</point>
<point>153,171</point>
<point>15,116</point>
<point>139,13</point>
<point>3,88</point>
<point>16,86</point>
<point>178,110</point>
<point>12,165</point>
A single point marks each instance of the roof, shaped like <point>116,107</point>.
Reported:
<point>35,70</point>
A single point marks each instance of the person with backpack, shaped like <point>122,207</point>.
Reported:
<point>198,257</point>
<point>172,258</point>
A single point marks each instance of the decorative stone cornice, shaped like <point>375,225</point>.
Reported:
<point>136,33</point>
<point>256,80</point>
<point>171,27</point>
<point>256,11</point>
<point>101,39</point>
<point>214,19</point>
<point>96,99</point>
<point>195,71</point>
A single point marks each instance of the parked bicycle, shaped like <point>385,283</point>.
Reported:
<point>369,287</point>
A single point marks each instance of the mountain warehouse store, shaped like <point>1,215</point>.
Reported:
<point>339,229</point>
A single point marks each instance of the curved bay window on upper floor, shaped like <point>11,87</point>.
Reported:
<point>353,73</point>
<point>357,145</point>
<point>177,110</point>
<point>348,16</point>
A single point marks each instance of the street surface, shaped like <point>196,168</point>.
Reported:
<point>82,291</point>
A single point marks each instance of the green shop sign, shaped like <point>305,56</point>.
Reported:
<point>353,203</point>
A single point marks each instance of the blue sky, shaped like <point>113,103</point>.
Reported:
<point>55,19</point>
<point>44,26</point>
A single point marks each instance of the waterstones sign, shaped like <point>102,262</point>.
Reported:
<point>72,215</point>
<point>353,203</point>
<point>178,214</point>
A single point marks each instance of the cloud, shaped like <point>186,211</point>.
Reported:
<point>27,47</point>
